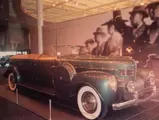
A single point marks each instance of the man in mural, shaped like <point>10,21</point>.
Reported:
<point>87,49</point>
<point>113,46</point>
<point>99,37</point>
<point>153,10</point>
<point>121,26</point>
<point>139,28</point>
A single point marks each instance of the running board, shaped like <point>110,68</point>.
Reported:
<point>49,91</point>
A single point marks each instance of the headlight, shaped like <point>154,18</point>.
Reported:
<point>113,83</point>
<point>131,86</point>
<point>129,49</point>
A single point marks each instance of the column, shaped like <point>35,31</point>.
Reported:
<point>40,25</point>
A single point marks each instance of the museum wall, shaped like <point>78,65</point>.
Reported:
<point>136,31</point>
<point>73,32</point>
<point>76,32</point>
<point>31,23</point>
<point>18,30</point>
<point>49,38</point>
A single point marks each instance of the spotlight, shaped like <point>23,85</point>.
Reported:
<point>142,3</point>
<point>76,3</point>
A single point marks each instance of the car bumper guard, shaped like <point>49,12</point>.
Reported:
<point>135,101</point>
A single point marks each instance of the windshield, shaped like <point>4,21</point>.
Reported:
<point>62,50</point>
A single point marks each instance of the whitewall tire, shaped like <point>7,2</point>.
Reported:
<point>89,102</point>
<point>11,82</point>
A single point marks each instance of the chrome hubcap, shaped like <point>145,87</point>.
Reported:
<point>89,102</point>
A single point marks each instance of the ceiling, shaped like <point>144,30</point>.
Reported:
<point>64,10</point>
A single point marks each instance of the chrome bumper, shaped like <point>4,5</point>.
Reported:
<point>135,101</point>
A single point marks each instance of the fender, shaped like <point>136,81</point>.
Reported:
<point>15,71</point>
<point>97,80</point>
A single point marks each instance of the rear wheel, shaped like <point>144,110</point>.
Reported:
<point>11,82</point>
<point>90,104</point>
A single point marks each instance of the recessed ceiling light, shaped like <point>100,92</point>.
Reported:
<point>142,3</point>
<point>77,3</point>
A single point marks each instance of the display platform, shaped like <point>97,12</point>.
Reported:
<point>38,103</point>
<point>12,111</point>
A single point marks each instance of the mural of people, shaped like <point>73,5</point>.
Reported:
<point>113,46</point>
<point>135,32</point>
<point>87,49</point>
<point>99,37</point>
<point>135,35</point>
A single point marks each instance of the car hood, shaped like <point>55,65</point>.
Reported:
<point>100,63</point>
<point>90,58</point>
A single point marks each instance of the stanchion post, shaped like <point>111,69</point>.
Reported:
<point>50,109</point>
<point>17,99</point>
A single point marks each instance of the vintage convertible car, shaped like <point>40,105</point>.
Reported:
<point>96,82</point>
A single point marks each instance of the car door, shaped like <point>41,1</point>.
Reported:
<point>23,67</point>
<point>44,69</point>
<point>32,69</point>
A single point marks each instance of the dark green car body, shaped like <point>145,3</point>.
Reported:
<point>65,75</point>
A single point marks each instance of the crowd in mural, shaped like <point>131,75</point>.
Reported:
<point>139,36</point>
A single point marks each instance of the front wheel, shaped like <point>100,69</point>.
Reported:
<point>11,82</point>
<point>90,104</point>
